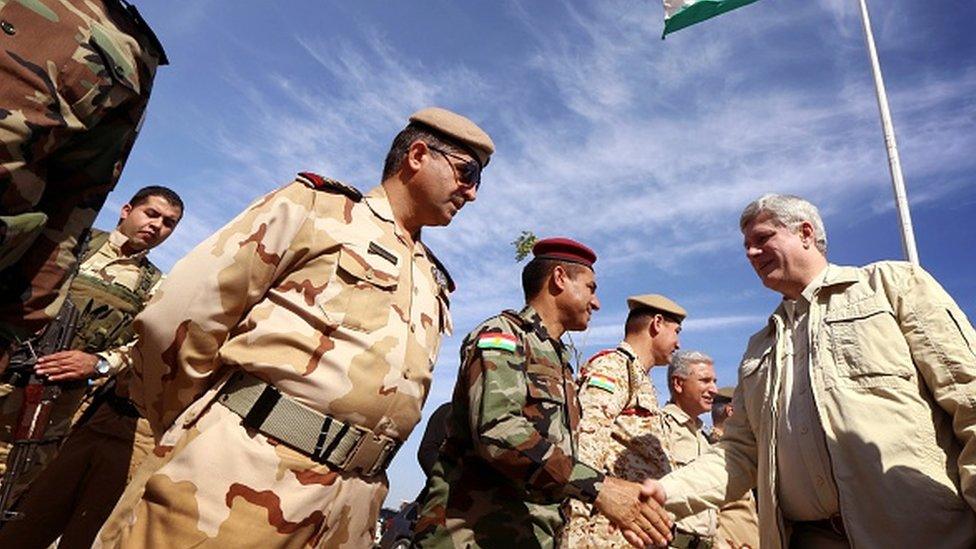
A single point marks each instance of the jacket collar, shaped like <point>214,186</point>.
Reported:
<point>680,416</point>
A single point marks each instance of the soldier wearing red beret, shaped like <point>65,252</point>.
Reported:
<point>510,459</point>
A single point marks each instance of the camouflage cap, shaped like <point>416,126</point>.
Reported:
<point>564,249</point>
<point>458,128</point>
<point>658,303</point>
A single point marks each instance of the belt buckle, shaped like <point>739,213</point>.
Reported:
<point>368,456</point>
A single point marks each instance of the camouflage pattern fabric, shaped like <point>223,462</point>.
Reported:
<point>620,434</point>
<point>105,275</point>
<point>76,79</point>
<point>318,292</point>
<point>510,459</point>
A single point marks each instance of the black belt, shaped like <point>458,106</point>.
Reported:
<point>833,524</point>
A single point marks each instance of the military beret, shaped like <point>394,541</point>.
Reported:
<point>725,394</point>
<point>564,249</point>
<point>457,128</point>
<point>657,302</point>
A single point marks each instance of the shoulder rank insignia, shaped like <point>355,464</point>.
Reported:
<point>497,340</point>
<point>327,184</point>
<point>601,381</point>
<point>598,355</point>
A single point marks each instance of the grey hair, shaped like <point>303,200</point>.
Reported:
<point>789,211</point>
<point>682,361</point>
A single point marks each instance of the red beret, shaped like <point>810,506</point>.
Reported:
<point>564,249</point>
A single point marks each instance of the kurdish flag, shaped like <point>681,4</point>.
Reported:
<point>496,340</point>
<point>679,14</point>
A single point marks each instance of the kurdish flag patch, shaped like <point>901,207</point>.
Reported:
<point>504,342</point>
<point>600,381</point>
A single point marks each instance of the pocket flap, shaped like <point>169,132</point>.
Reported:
<point>373,269</point>
<point>864,308</point>
<point>543,385</point>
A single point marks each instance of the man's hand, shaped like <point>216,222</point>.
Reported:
<point>642,522</point>
<point>653,489</point>
<point>67,365</point>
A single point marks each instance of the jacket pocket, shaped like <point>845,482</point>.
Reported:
<point>545,402</point>
<point>867,344</point>
<point>368,284</point>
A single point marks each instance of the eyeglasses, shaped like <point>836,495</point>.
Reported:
<point>468,173</point>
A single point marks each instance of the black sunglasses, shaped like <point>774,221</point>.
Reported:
<point>468,173</point>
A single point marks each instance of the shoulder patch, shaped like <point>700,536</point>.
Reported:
<point>441,275</point>
<point>497,340</point>
<point>601,381</point>
<point>327,184</point>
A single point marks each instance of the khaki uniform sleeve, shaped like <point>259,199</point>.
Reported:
<point>943,347</point>
<point>599,407</point>
<point>207,293</point>
<point>723,474</point>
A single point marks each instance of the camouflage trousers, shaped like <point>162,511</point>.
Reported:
<point>76,80</point>
<point>62,417</point>
<point>76,493</point>
<point>222,485</point>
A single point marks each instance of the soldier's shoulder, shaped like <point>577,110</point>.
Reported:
<point>608,361</point>
<point>500,332</point>
<point>329,185</point>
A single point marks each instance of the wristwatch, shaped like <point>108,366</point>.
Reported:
<point>102,367</point>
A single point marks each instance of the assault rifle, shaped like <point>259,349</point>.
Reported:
<point>39,398</point>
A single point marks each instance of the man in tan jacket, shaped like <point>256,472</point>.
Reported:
<point>855,411</point>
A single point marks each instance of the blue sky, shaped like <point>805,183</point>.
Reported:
<point>647,150</point>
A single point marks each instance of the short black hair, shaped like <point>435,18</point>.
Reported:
<point>167,194</point>
<point>638,318</point>
<point>413,132</point>
<point>535,273</point>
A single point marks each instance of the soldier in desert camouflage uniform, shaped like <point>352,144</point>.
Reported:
<point>510,460</point>
<point>76,79</point>
<point>115,281</point>
<point>620,432</point>
<point>287,357</point>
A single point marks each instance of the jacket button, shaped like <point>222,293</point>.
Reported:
<point>8,27</point>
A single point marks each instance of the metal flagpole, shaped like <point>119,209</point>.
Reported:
<point>901,199</point>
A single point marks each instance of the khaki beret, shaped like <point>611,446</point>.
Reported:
<point>725,393</point>
<point>458,128</point>
<point>659,302</point>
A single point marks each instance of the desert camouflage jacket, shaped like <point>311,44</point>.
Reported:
<point>317,291</point>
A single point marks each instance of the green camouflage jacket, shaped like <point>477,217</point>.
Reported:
<point>510,459</point>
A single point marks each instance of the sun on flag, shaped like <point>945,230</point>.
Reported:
<point>679,14</point>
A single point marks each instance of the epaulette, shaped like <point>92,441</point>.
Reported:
<point>601,353</point>
<point>327,184</point>
<point>441,275</point>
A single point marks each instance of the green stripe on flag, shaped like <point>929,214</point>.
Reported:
<point>699,11</point>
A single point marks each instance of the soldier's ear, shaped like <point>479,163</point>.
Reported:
<point>126,210</point>
<point>558,277</point>
<point>415,156</point>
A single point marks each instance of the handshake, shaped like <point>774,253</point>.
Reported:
<point>638,510</point>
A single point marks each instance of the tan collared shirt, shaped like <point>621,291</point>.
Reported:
<point>807,490</point>
<point>685,441</point>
